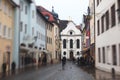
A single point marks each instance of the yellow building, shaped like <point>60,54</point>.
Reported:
<point>50,30</point>
<point>56,40</point>
<point>6,32</point>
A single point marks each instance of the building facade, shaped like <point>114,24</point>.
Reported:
<point>56,44</point>
<point>107,31</point>
<point>92,29</point>
<point>53,41</point>
<point>50,42</point>
<point>41,32</point>
<point>71,41</point>
<point>7,9</point>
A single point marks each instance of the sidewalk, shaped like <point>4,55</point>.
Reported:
<point>99,74</point>
<point>25,69</point>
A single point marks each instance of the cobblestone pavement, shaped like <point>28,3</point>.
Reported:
<point>55,72</point>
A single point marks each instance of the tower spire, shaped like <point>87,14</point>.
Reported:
<point>52,8</point>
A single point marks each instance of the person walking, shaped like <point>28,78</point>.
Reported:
<point>13,67</point>
<point>4,66</point>
<point>63,62</point>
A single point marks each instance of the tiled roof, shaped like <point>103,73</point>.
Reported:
<point>63,24</point>
<point>46,13</point>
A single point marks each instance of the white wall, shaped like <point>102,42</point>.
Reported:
<point>66,35</point>
<point>107,38</point>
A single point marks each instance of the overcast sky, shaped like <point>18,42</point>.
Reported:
<point>66,9</point>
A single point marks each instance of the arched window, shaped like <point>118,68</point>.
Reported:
<point>64,53</point>
<point>64,43</point>
<point>78,53</point>
<point>78,43</point>
<point>71,43</point>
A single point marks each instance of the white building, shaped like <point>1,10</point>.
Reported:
<point>107,35</point>
<point>70,41</point>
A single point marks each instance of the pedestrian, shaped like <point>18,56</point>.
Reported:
<point>39,62</point>
<point>63,62</point>
<point>13,67</point>
<point>4,69</point>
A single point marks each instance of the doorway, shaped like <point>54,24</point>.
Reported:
<point>71,55</point>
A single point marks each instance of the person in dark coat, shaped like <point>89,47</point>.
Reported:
<point>13,67</point>
<point>4,69</point>
<point>63,62</point>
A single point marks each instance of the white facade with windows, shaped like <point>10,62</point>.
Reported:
<point>71,41</point>
<point>107,35</point>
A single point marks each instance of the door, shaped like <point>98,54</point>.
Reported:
<point>71,55</point>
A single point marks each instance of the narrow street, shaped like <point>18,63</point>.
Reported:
<point>55,72</point>
<point>52,72</point>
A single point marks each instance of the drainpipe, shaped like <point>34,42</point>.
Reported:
<point>19,36</point>
<point>94,27</point>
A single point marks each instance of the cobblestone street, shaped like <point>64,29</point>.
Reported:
<point>55,72</point>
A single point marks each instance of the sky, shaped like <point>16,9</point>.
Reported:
<point>66,9</point>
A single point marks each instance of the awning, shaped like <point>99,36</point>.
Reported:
<point>85,50</point>
<point>24,49</point>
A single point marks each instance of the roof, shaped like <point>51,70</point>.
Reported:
<point>38,10</point>
<point>63,24</point>
<point>79,27</point>
<point>46,13</point>
<point>13,3</point>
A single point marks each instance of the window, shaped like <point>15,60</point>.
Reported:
<point>0,4</point>
<point>37,33</point>
<point>56,54</point>
<point>25,28</point>
<point>55,30</point>
<point>103,51</point>
<point>97,2</point>
<point>107,20</point>
<point>64,43</point>
<point>113,20</point>
<point>4,31</point>
<point>78,53</point>
<point>114,55</point>
<point>25,9</point>
<point>33,13</point>
<point>5,7</point>
<point>108,56</point>
<point>51,40</point>
<point>119,9</point>
<point>47,39</point>
<point>71,33</point>
<point>71,43</point>
<point>99,55</point>
<point>0,29</point>
<point>32,30</point>
<point>64,53</point>
<point>21,26</point>
<point>9,32</point>
<point>78,43</point>
<point>98,27</point>
<point>21,5</point>
<point>102,24</point>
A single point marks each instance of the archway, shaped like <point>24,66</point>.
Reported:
<point>71,55</point>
